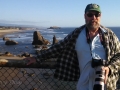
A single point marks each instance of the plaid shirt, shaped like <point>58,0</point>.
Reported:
<point>67,67</point>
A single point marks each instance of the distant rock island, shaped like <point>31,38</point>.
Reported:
<point>53,27</point>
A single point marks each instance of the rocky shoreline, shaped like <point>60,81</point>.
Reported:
<point>3,49</point>
<point>12,48</point>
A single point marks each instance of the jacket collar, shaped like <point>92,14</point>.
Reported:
<point>103,29</point>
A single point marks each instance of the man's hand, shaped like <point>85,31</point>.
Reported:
<point>30,60</point>
<point>106,69</point>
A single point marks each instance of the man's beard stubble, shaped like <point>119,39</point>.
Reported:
<point>92,25</point>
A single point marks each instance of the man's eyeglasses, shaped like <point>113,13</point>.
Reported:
<point>91,15</point>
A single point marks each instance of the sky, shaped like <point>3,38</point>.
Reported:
<point>62,13</point>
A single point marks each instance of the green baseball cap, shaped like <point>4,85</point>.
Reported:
<point>92,7</point>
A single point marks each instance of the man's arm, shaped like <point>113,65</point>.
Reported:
<point>52,52</point>
<point>114,64</point>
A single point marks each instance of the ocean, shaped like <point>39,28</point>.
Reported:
<point>25,38</point>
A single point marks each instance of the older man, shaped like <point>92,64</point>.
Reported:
<point>85,49</point>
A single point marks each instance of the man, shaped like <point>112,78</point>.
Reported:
<point>81,48</point>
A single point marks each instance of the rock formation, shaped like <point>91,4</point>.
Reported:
<point>6,38</point>
<point>11,42</point>
<point>38,39</point>
<point>54,40</point>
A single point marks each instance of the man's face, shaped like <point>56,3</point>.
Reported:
<point>92,19</point>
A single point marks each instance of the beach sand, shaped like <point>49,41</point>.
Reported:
<point>8,31</point>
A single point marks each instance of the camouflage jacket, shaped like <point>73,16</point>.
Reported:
<point>67,62</point>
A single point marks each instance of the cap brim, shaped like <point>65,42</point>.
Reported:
<point>95,10</point>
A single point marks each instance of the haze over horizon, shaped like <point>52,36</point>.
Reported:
<point>62,13</point>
